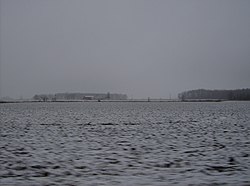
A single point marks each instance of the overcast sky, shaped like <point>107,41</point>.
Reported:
<point>143,48</point>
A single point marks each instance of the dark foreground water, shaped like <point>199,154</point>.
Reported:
<point>125,144</point>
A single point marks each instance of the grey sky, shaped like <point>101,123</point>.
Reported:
<point>138,47</point>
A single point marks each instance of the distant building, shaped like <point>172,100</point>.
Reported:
<point>88,97</point>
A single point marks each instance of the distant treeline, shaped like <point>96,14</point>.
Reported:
<point>239,94</point>
<point>79,96</point>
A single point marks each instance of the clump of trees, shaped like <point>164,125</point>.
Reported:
<point>44,97</point>
<point>79,96</point>
<point>238,94</point>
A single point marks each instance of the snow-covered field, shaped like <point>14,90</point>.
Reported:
<point>125,143</point>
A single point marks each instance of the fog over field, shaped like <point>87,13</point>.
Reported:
<point>141,48</point>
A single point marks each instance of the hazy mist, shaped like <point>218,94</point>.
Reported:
<point>142,48</point>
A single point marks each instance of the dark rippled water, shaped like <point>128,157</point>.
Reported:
<point>125,144</point>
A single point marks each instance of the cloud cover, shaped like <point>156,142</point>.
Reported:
<point>142,48</point>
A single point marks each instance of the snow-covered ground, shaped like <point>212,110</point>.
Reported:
<point>93,143</point>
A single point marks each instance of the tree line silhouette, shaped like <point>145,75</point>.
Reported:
<point>79,96</point>
<point>238,94</point>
